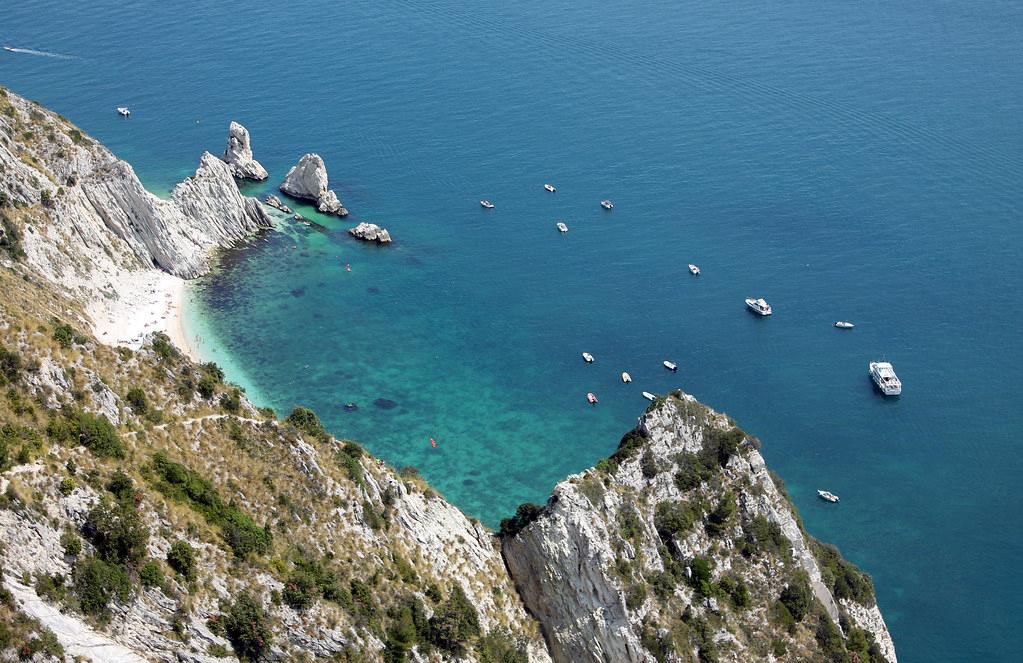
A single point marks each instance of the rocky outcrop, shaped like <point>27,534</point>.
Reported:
<point>620,553</point>
<point>102,217</point>
<point>307,180</point>
<point>370,232</point>
<point>238,155</point>
<point>275,202</point>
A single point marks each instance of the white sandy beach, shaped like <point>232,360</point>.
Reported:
<point>148,301</point>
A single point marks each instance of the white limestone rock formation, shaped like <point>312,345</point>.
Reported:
<point>238,155</point>
<point>370,232</point>
<point>584,562</point>
<point>307,180</point>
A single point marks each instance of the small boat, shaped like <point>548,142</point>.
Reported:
<point>694,270</point>
<point>650,397</point>
<point>550,187</point>
<point>842,324</point>
<point>626,378</point>
<point>758,306</point>
<point>351,407</point>
<point>10,48</point>
<point>607,204</point>
<point>591,398</point>
<point>885,378</point>
<point>123,110</point>
<point>562,227</point>
<point>487,204</point>
<point>828,496</point>
<point>588,357</point>
<point>670,365</point>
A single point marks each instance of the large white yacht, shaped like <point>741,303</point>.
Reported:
<point>885,378</point>
<point>759,306</point>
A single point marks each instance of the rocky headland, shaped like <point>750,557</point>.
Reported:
<point>307,180</point>
<point>150,512</point>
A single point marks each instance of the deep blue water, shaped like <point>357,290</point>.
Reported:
<point>854,160</point>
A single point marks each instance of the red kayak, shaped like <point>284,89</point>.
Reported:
<point>591,397</point>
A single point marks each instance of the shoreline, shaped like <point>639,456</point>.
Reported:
<point>147,301</point>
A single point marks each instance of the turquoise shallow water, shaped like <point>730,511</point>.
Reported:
<point>843,160</point>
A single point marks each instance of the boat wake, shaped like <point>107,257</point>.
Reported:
<point>45,54</point>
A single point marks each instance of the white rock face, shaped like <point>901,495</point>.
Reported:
<point>566,564</point>
<point>370,232</point>
<point>308,180</point>
<point>238,155</point>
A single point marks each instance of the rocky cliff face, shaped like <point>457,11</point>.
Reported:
<point>682,546</point>
<point>238,155</point>
<point>308,180</point>
<point>102,216</point>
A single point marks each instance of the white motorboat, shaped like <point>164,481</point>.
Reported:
<point>650,397</point>
<point>123,110</point>
<point>562,227</point>
<point>591,398</point>
<point>487,204</point>
<point>828,496</point>
<point>607,204</point>
<point>626,378</point>
<point>843,324</point>
<point>588,357</point>
<point>670,365</point>
<point>885,378</point>
<point>550,187</point>
<point>694,270</point>
<point>758,306</point>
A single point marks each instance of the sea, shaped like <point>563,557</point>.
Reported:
<point>854,160</point>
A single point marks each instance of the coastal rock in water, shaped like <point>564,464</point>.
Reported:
<point>329,204</point>
<point>275,202</point>
<point>308,180</point>
<point>370,232</point>
<point>238,155</point>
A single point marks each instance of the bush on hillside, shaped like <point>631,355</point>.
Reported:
<point>797,597</point>
<point>94,432</point>
<point>524,515</point>
<point>10,365</point>
<point>454,623</point>
<point>137,398</point>
<point>117,531</point>
<point>97,583</point>
<point>181,558</point>
<point>247,626</point>
<point>306,421</point>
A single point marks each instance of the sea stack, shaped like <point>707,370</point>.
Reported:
<point>238,155</point>
<point>308,180</point>
<point>370,232</point>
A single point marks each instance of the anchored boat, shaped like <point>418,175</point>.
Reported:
<point>828,496</point>
<point>591,398</point>
<point>650,397</point>
<point>587,357</point>
<point>842,324</point>
<point>670,365</point>
<point>758,306</point>
<point>562,227</point>
<point>607,204</point>
<point>123,110</point>
<point>550,187</point>
<point>487,204</point>
<point>626,378</point>
<point>694,270</point>
<point>883,375</point>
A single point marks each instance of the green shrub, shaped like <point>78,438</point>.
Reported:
<point>842,577</point>
<point>117,531</point>
<point>97,583</point>
<point>720,519</point>
<point>362,598</point>
<point>181,558</point>
<point>137,398</point>
<point>673,518</point>
<point>797,597</point>
<point>95,433</point>
<point>10,365</point>
<point>232,401</point>
<point>701,576</point>
<point>66,336</point>
<point>349,458</point>
<point>736,590</point>
<point>401,635</point>
<point>240,532</point>
<point>76,136</point>
<point>454,623</point>
<point>10,238</point>
<point>499,647</point>
<point>206,387</point>
<point>151,574</point>
<point>524,515</point>
<point>247,626</point>
<point>163,348</point>
<point>762,535</point>
<point>46,198</point>
<point>122,487</point>
<point>648,465</point>
<point>71,543</point>
<point>306,421</point>
<point>66,487</point>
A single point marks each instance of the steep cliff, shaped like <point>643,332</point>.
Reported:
<point>681,546</point>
